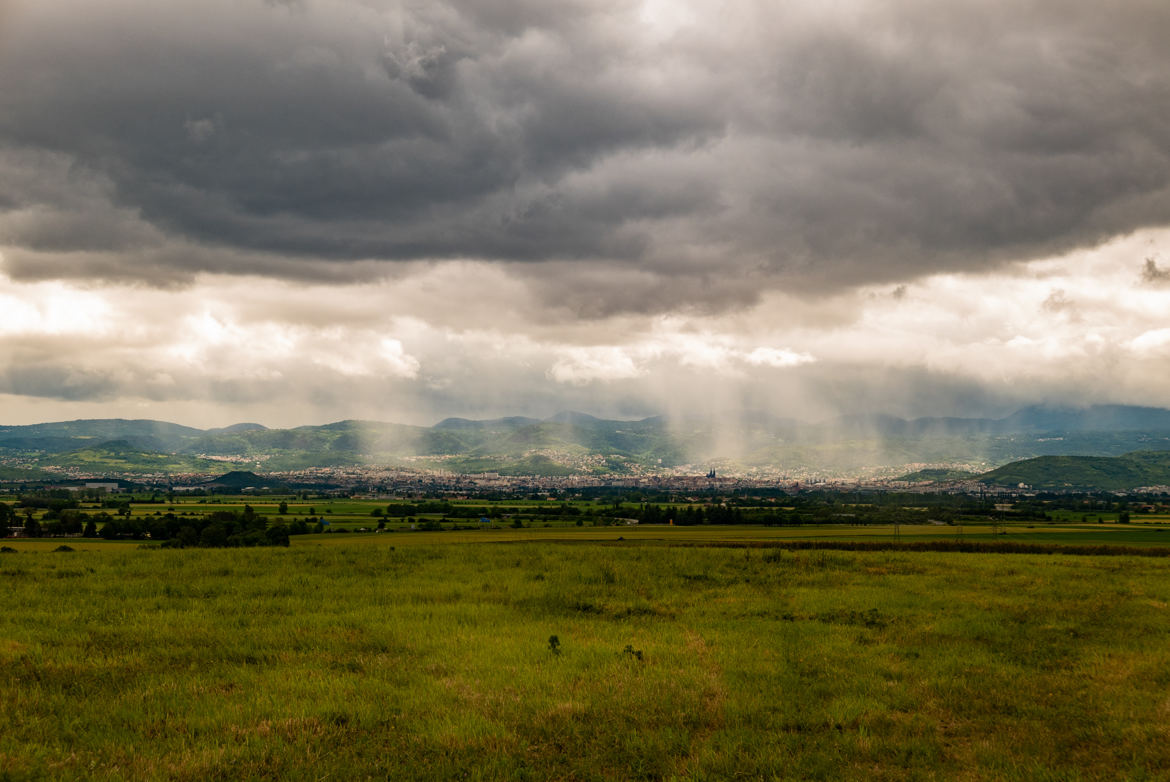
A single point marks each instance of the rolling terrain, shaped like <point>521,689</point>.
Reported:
<point>575,443</point>
<point>1086,473</point>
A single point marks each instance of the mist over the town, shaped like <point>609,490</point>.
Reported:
<point>301,211</point>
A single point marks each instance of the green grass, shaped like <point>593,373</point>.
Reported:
<point>366,658</point>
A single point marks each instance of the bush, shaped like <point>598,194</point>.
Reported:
<point>277,535</point>
<point>213,536</point>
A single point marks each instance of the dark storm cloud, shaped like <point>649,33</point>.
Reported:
<point>776,146</point>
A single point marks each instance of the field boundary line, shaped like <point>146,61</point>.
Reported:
<point>943,546</point>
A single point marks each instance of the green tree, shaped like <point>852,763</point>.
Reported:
<point>32,528</point>
<point>213,536</point>
<point>277,535</point>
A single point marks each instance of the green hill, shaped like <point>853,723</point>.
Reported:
<point>22,474</point>
<point>70,435</point>
<point>120,457</point>
<point>530,465</point>
<point>938,475</point>
<point>238,480</point>
<point>1085,473</point>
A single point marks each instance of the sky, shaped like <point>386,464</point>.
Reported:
<point>301,211</point>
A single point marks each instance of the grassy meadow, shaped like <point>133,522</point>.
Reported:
<point>368,657</point>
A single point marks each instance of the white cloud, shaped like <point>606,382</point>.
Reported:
<point>1151,342</point>
<point>777,357</point>
<point>584,365</point>
<point>448,339</point>
<point>398,361</point>
<point>53,308</point>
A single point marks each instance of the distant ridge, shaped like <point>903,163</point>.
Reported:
<point>571,417</point>
<point>1097,418</point>
<point>237,428</point>
<point>467,423</point>
<point>571,442</point>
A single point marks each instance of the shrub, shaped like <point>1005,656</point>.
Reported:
<point>277,535</point>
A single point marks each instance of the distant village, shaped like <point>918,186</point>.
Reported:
<point>374,481</point>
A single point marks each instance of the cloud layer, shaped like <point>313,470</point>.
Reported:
<point>452,207</point>
<point>1079,328</point>
<point>795,145</point>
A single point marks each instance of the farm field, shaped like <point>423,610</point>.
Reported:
<point>1132,535</point>
<point>584,519</point>
<point>400,655</point>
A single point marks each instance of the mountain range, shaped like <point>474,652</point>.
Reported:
<point>576,443</point>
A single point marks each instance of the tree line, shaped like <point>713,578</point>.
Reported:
<point>220,529</point>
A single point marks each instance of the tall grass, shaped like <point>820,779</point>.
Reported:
<point>433,662</point>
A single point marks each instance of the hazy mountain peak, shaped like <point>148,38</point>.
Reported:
<point>241,427</point>
<point>572,417</point>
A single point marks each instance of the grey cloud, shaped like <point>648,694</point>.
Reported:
<point>1057,302</point>
<point>783,147</point>
<point>429,71</point>
<point>600,290</point>
<point>57,382</point>
<point>1153,274</point>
